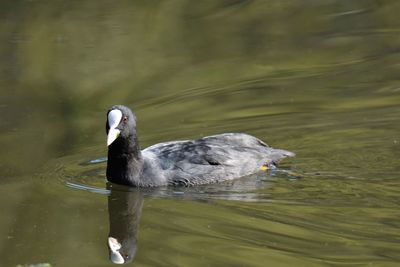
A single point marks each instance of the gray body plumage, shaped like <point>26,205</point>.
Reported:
<point>207,160</point>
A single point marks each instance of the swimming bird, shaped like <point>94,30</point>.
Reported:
<point>207,160</point>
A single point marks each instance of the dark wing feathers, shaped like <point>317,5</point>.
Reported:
<point>214,158</point>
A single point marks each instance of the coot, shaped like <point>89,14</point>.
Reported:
<point>209,159</point>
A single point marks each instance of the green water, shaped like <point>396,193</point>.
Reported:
<point>319,78</point>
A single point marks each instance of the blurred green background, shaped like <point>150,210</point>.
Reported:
<point>319,78</point>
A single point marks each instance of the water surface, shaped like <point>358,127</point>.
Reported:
<point>317,78</point>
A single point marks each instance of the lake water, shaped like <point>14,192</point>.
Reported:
<point>319,78</point>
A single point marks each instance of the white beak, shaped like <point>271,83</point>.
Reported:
<point>114,118</point>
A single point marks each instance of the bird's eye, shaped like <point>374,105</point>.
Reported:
<point>125,119</point>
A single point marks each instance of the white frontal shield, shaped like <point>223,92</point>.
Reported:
<point>114,118</point>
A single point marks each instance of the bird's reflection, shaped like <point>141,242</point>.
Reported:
<point>124,209</point>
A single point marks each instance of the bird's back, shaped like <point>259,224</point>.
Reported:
<point>210,159</point>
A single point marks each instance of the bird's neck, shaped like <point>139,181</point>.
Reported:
<point>125,162</point>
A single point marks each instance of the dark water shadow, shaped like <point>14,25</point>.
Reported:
<point>125,203</point>
<point>124,209</point>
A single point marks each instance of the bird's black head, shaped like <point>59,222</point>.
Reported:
<point>121,124</point>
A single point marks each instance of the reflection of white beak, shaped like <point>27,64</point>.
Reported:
<point>114,118</point>
<point>115,255</point>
